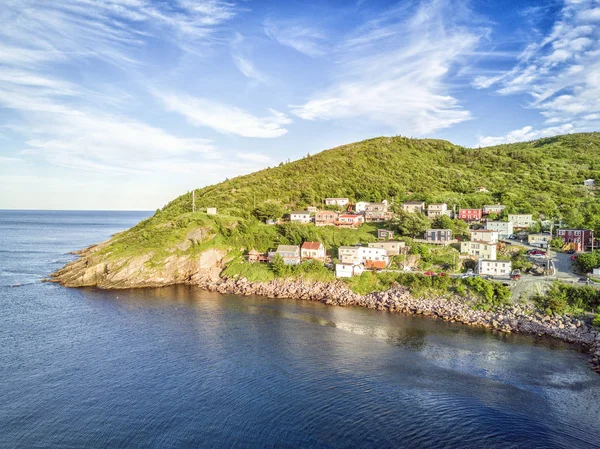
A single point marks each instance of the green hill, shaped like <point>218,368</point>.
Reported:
<point>544,177</point>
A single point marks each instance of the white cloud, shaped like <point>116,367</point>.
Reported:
<point>560,73</point>
<point>300,37</point>
<point>254,157</point>
<point>243,62</point>
<point>524,134</point>
<point>393,71</point>
<point>224,118</point>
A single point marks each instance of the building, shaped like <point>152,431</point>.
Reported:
<point>326,218</point>
<point>493,209</point>
<point>414,206</point>
<point>337,201</point>
<point>469,214</point>
<point>485,235</point>
<point>312,209</point>
<point>482,189</point>
<point>494,267</point>
<point>312,250</point>
<point>438,235</point>
<point>437,210</point>
<point>504,228</point>
<point>577,239</point>
<point>392,248</point>
<point>289,253</point>
<point>369,257</point>
<point>348,254</point>
<point>347,270</point>
<point>589,183</point>
<point>541,240</point>
<point>385,234</point>
<point>377,212</point>
<point>257,256</point>
<point>520,221</point>
<point>349,220</point>
<point>360,207</point>
<point>302,216</point>
<point>211,211</point>
<point>482,250</point>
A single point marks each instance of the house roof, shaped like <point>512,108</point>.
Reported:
<point>350,215</point>
<point>312,245</point>
<point>287,248</point>
<point>414,202</point>
<point>346,199</point>
<point>429,230</point>
<point>300,212</point>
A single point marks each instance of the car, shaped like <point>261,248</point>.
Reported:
<point>429,273</point>
<point>573,258</point>
<point>442,274</point>
<point>571,251</point>
<point>513,237</point>
<point>538,255</point>
<point>536,251</point>
<point>515,275</point>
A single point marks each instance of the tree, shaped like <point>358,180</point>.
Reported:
<point>556,243</point>
<point>278,265</point>
<point>412,223</point>
<point>268,211</point>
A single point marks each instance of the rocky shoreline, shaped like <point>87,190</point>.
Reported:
<point>516,318</point>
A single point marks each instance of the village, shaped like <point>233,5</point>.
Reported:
<point>482,251</point>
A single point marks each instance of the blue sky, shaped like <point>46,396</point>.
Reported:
<point>125,104</point>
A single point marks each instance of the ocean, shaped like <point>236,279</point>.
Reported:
<point>179,367</point>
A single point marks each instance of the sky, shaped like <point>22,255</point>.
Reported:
<point>126,104</point>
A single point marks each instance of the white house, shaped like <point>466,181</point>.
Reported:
<point>493,209</point>
<point>391,247</point>
<point>337,201</point>
<point>302,216</point>
<point>361,206</point>
<point>521,220</point>
<point>485,235</point>
<point>370,257</point>
<point>494,267</point>
<point>437,210</point>
<point>312,209</point>
<point>482,250</point>
<point>540,240</point>
<point>413,206</point>
<point>312,250</point>
<point>347,270</point>
<point>589,183</point>
<point>504,228</point>
<point>348,254</point>
<point>211,211</point>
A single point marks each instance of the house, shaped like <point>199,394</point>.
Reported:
<point>493,209</point>
<point>438,235</point>
<point>521,220</point>
<point>540,240</point>
<point>482,250</point>
<point>494,267</point>
<point>360,207</point>
<point>349,220</point>
<point>437,210</point>
<point>302,216</point>
<point>325,218</point>
<point>347,270</point>
<point>577,239</point>
<point>504,228</point>
<point>469,214</point>
<point>482,189</point>
<point>589,183</point>
<point>337,201</point>
<point>312,250</point>
<point>391,247</point>
<point>376,212</point>
<point>485,235</point>
<point>414,206</point>
<point>369,257</point>
<point>385,234</point>
<point>348,254</point>
<point>312,209</point>
<point>270,221</point>
<point>211,211</point>
<point>257,256</point>
<point>289,253</point>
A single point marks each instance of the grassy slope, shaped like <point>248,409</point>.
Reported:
<point>543,176</point>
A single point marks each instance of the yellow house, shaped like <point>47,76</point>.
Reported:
<point>540,240</point>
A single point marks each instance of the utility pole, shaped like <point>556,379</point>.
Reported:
<point>194,200</point>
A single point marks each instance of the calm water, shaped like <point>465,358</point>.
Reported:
<point>178,367</point>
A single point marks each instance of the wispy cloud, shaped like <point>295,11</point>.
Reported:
<point>392,71</point>
<point>299,36</point>
<point>243,62</point>
<point>526,133</point>
<point>560,72</point>
<point>224,118</point>
<point>254,157</point>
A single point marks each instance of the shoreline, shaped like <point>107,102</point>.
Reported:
<point>511,319</point>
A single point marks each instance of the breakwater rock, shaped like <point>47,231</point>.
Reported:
<point>515,318</point>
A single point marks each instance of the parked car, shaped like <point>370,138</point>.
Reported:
<point>573,258</point>
<point>429,273</point>
<point>513,236</point>
<point>571,251</point>
<point>532,252</point>
<point>442,273</point>
<point>515,275</point>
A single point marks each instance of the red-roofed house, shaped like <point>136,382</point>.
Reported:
<point>312,250</point>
